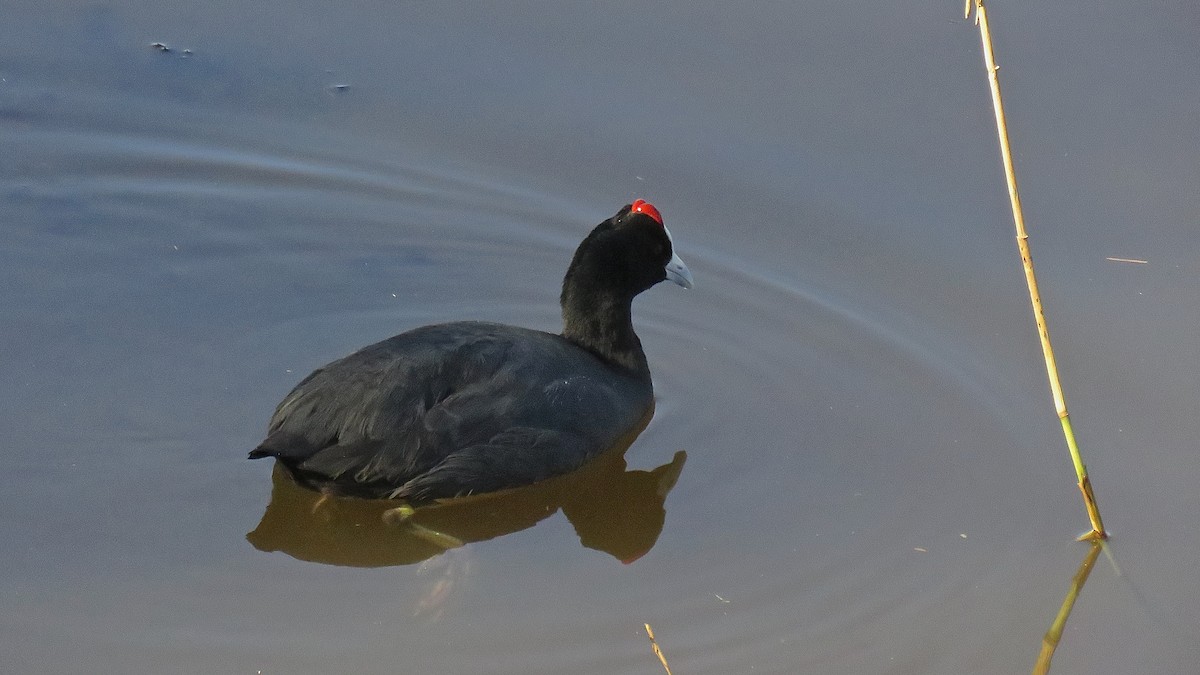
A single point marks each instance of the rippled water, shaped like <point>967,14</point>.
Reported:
<point>853,465</point>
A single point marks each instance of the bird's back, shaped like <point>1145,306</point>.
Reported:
<point>453,409</point>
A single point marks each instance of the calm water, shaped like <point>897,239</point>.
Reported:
<point>854,465</point>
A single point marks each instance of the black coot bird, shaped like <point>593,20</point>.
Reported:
<point>470,407</point>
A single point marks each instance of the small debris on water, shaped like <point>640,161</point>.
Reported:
<point>1138,261</point>
<point>167,49</point>
<point>920,550</point>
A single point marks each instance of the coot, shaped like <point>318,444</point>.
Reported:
<point>471,407</point>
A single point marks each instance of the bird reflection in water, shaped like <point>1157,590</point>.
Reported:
<point>614,510</point>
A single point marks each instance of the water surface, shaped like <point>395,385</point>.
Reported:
<point>854,465</point>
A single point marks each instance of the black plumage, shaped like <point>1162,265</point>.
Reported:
<point>472,407</point>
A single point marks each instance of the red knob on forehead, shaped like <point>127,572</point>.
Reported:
<point>643,206</point>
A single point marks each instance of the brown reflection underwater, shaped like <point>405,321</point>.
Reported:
<point>614,510</point>
<point>1054,633</point>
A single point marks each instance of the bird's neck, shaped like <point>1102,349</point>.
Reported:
<point>602,324</point>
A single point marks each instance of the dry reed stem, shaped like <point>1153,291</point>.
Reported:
<point>657,651</point>
<point>1060,404</point>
